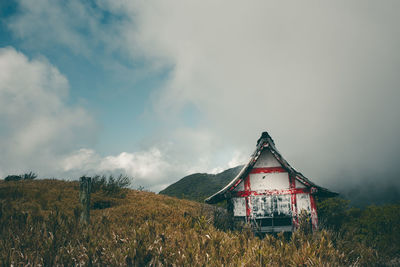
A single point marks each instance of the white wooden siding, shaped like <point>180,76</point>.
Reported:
<point>239,206</point>
<point>269,181</point>
<point>299,184</point>
<point>269,206</point>
<point>266,159</point>
<point>303,202</point>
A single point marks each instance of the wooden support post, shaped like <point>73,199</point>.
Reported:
<point>293,201</point>
<point>314,217</point>
<point>248,199</point>
<point>84,198</point>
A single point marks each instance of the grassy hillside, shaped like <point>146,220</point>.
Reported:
<point>199,186</point>
<point>39,226</point>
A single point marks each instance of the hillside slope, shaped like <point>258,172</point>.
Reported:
<point>39,225</point>
<point>199,186</point>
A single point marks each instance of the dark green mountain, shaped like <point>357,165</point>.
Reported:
<point>199,186</point>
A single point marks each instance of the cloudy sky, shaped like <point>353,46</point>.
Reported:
<point>161,89</point>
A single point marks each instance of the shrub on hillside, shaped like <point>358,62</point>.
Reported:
<point>29,176</point>
<point>12,178</point>
<point>376,226</point>
<point>305,225</point>
<point>25,176</point>
<point>332,212</point>
<point>111,186</point>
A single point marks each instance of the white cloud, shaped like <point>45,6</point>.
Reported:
<point>316,75</point>
<point>40,132</point>
<point>84,160</point>
<point>148,168</point>
<point>321,77</point>
<point>239,158</point>
<point>38,127</point>
<point>148,164</point>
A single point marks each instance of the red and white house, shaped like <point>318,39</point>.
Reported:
<point>269,193</point>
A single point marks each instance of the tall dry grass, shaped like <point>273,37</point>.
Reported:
<point>39,226</point>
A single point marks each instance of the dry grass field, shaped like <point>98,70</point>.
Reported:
<point>39,225</point>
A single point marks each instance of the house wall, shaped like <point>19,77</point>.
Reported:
<point>299,185</point>
<point>269,181</point>
<point>263,181</point>
<point>273,176</point>
<point>265,195</point>
<point>266,159</point>
<point>272,205</point>
<point>303,202</point>
<point>239,206</point>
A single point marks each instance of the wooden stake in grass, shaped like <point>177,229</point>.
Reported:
<point>84,198</point>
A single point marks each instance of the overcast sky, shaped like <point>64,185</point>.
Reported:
<point>160,89</point>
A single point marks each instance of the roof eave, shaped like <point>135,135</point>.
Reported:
<point>220,195</point>
<point>323,192</point>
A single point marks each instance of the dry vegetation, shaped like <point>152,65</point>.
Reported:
<point>39,225</point>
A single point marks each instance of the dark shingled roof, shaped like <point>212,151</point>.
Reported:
<point>266,142</point>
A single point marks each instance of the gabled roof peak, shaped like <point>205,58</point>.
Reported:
<point>265,137</point>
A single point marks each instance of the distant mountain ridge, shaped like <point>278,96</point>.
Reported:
<point>199,186</point>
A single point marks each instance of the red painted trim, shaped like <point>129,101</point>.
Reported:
<point>248,209</point>
<point>271,192</point>
<point>247,183</point>
<point>236,184</point>
<point>302,181</point>
<point>268,170</point>
<point>314,217</point>
<point>293,200</point>
<point>247,189</point>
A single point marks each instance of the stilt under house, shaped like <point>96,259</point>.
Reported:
<point>268,193</point>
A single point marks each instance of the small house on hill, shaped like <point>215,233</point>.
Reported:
<point>269,193</point>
